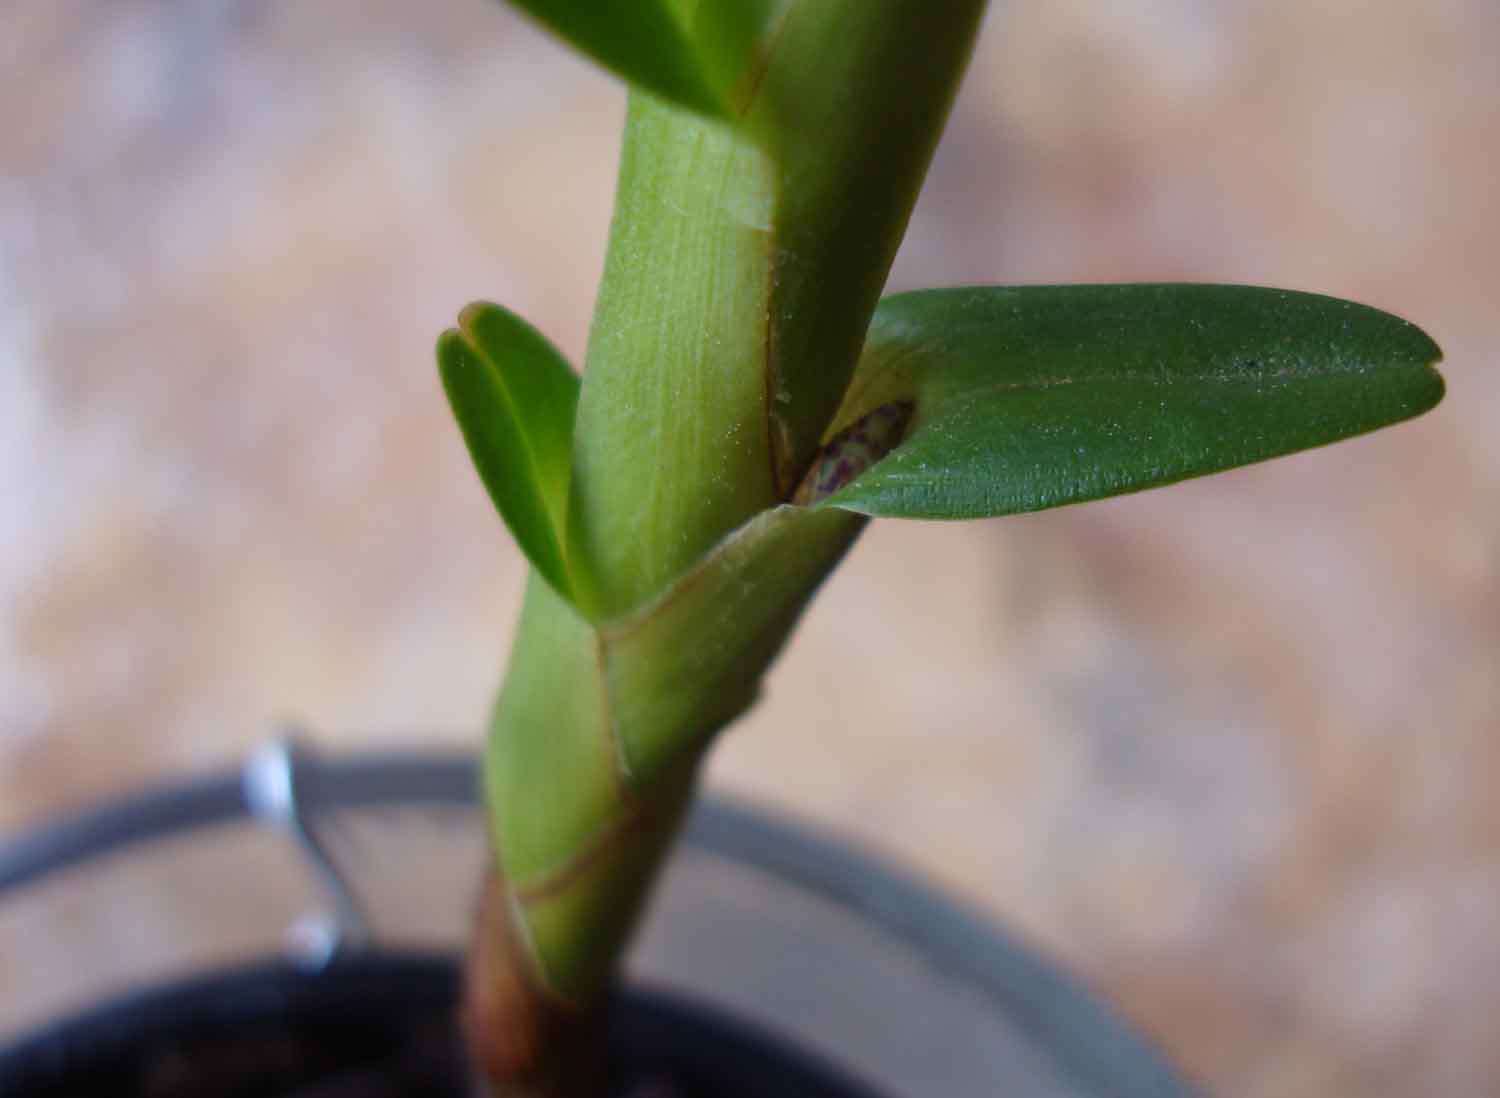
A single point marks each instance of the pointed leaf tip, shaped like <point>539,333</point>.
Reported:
<point>514,397</point>
<point>1033,397</point>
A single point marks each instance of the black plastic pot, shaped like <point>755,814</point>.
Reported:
<point>764,939</point>
<point>375,1027</point>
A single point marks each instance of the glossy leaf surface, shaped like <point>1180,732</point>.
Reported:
<point>1032,397</point>
<point>515,397</point>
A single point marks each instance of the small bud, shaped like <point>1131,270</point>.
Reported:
<point>853,450</point>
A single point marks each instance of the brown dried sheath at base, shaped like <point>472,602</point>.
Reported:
<point>526,1042</point>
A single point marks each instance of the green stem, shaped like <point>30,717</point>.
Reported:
<point>671,451</point>
<point>680,523</point>
<point>582,810</point>
<point>744,263</point>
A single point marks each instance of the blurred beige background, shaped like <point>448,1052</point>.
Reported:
<point>1226,748</point>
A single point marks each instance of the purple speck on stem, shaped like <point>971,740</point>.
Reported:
<point>853,450</point>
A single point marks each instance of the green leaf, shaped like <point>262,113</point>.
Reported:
<point>695,54</point>
<point>514,397</point>
<point>1032,397</point>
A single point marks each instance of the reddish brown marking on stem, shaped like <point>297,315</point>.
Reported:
<point>781,441</point>
<point>619,760</point>
<point>756,74</point>
<point>525,1041</point>
<point>778,436</point>
<point>557,880</point>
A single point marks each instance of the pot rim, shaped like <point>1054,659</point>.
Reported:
<point>288,783</point>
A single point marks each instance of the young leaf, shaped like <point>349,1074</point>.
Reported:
<point>514,397</point>
<point>1032,397</point>
<point>693,54</point>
